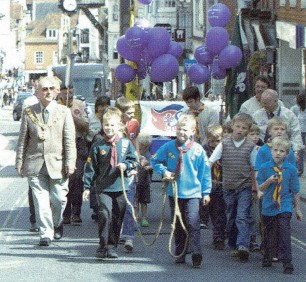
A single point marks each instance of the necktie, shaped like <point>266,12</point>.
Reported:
<point>277,191</point>
<point>113,157</point>
<point>45,115</point>
<point>179,164</point>
<point>267,135</point>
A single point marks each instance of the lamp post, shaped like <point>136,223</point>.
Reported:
<point>183,22</point>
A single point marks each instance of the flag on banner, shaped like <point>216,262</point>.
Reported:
<point>236,88</point>
<point>160,117</point>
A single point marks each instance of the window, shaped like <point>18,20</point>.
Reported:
<point>85,35</point>
<point>292,3</point>
<point>39,57</point>
<point>282,2</point>
<point>51,34</point>
<point>303,4</point>
<point>85,54</point>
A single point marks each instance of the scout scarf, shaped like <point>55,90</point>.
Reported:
<point>179,165</point>
<point>277,191</point>
<point>114,157</point>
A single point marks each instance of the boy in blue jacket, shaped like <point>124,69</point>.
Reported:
<point>278,180</point>
<point>102,171</point>
<point>186,162</point>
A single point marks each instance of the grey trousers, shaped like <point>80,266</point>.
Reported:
<point>50,200</point>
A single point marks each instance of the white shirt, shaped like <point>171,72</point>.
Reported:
<point>252,105</point>
<point>301,116</point>
<point>294,131</point>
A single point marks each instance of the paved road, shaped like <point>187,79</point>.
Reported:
<point>72,258</point>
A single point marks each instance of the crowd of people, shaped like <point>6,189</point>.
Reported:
<point>242,175</point>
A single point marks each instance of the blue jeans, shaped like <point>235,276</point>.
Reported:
<point>238,204</point>
<point>128,228</point>
<point>190,214</point>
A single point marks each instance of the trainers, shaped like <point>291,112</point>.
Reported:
<point>288,268</point>
<point>243,253</point>
<point>76,220</point>
<point>196,260</point>
<point>234,253</point>
<point>254,247</point>
<point>58,232</point>
<point>266,262</point>
<point>145,223</point>
<point>128,245</point>
<point>111,253</point>
<point>34,227</point>
<point>101,252</point>
<point>66,220</point>
<point>203,226</point>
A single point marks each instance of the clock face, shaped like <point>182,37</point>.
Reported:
<point>70,5</point>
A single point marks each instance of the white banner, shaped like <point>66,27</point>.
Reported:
<point>160,117</point>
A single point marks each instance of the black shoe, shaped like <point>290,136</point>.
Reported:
<point>66,220</point>
<point>111,253</point>
<point>101,252</point>
<point>94,216</point>
<point>76,220</point>
<point>196,260</point>
<point>58,232</point>
<point>45,242</point>
<point>266,262</point>
<point>288,268</point>
<point>219,245</point>
<point>180,259</point>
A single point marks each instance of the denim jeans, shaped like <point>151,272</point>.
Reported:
<point>190,214</point>
<point>238,204</point>
<point>128,228</point>
<point>282,223</point>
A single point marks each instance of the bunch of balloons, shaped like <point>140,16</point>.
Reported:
<point>216,55</point>
<point>152,51</point>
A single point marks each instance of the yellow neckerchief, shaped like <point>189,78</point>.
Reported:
<point>277,191</point>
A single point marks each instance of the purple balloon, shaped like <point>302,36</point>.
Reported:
<point>164,68</point>
<point>136,37</point>
<point>203,56</point>
<point>125,73</point>
<point>216,71</point>
<point>230,57</point>
<point>145,57</point>
<point>126,51</point>
<point>216,39</point>
<point>175,49</point>
<point>146,2</point>
<point>198,74</point>
<point>219,15</point>
<point>158,41</point>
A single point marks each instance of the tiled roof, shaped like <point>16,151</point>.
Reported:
<point>38,34</point>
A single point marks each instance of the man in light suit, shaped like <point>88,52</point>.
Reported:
<point>46,154</point>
